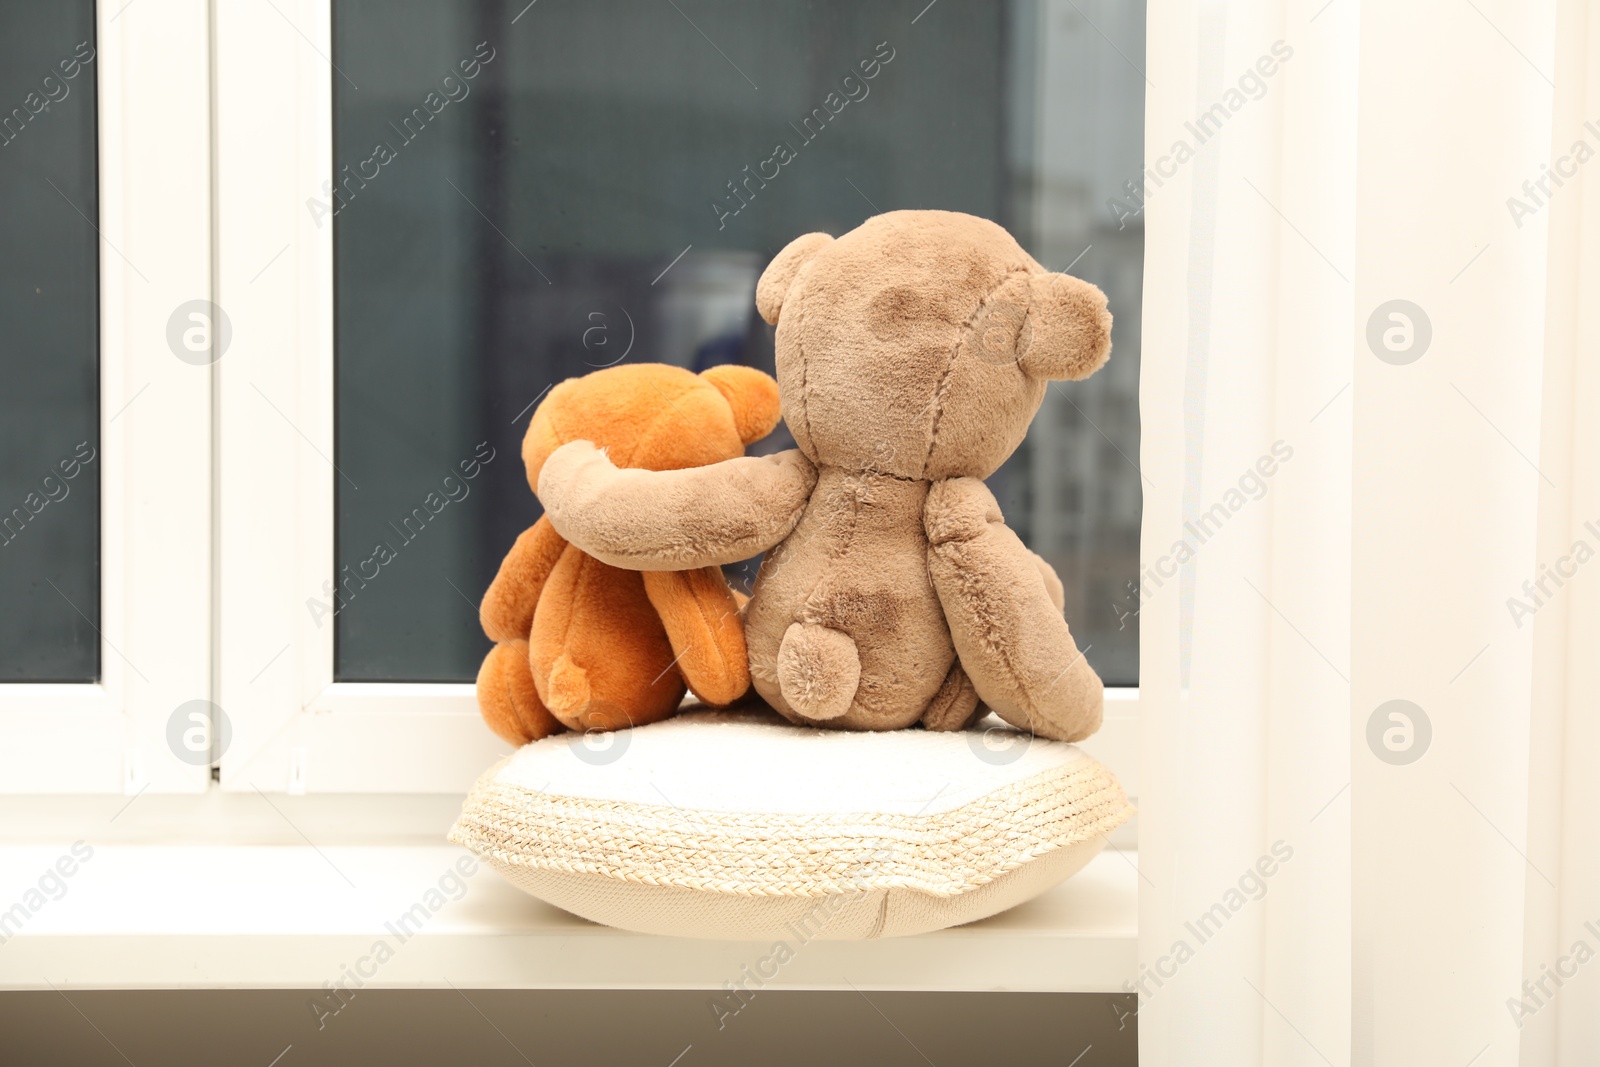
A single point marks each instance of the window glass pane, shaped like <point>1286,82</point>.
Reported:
<point>526,193</point>
<point>50,357</point>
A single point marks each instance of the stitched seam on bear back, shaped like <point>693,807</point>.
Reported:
<point>805,401</point>
<point>846,541</point>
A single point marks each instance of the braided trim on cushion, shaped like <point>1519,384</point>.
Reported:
<point>746,854</point>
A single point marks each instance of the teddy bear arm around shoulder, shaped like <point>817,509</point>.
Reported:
<point>674,520</point>
<point>583,645</point>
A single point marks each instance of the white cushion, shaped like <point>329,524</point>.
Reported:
<point>738,825</point>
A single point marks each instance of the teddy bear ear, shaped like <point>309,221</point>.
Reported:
<point>780,273</point>
<point>1067,333</point>
<point>752,395</point>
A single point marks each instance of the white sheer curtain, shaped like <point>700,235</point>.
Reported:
<point>1369,394</point>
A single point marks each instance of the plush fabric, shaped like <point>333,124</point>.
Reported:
<point>736,825</point>
<point>584,645</point>
<point>912,353</point>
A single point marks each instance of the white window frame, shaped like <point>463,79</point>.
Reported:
<point>295,729</point>
<point>152,72</point>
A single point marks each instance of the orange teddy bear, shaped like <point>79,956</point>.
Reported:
<point>580,644</point>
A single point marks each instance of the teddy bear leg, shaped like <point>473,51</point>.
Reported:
<point>507,698</point>
<point>955,705</point>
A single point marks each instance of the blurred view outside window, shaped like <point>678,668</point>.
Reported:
<point>50,354</point>
<point>528,193</point>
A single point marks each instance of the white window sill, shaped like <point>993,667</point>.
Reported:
<point>225,915</point>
